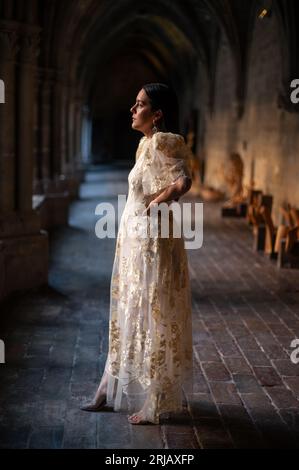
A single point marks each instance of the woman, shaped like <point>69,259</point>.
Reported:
<point>149,361</point>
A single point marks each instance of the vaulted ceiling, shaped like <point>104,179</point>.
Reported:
<point>114,46</point>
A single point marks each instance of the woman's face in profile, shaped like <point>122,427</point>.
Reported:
<point>142,115</point>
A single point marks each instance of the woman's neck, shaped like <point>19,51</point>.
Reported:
<point>149,134</point>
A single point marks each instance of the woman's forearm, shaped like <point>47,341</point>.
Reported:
<point>175,190</point>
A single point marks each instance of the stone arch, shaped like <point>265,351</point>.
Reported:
<point>222,124</point>
<point>264,119</point>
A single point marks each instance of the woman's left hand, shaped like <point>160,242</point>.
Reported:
<point>151,204</point>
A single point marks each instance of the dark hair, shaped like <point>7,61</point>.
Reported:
<point>163,97</point>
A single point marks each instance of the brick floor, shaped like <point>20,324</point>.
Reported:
<point>245,315</point>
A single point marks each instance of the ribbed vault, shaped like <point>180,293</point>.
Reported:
<point>97,47</point>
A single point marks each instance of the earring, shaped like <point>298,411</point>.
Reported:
<point>154,128</point>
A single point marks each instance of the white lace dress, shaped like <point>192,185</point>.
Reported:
<point>149,361</point>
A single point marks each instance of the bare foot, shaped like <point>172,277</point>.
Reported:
<point>137,418</point>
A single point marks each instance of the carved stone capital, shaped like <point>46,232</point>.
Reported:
<point>29,46</point>
<point>9,45</point>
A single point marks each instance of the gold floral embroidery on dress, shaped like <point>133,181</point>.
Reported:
<point>155,303</point>
<point>172,145</point>
<point>150,334</point>
<point>139,148</point>
<point>165,160</point>
<point>114,340</point>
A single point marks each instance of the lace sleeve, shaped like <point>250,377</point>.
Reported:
<point>139,148</point>
<point>167,160</point>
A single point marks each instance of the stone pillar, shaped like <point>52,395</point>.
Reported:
<point>64,131</point>
<point>79,166</point>
<point>70,127</point>
<point>37,164</point>
<point>68,180</point>
<point>23,246</point>
<point>43,170</point>
<point>86,135</point>
<point>78,132</point>
<point>8,50</point>
<point>72,179</point>
<point>25,121</point>
<point>56,198</point>
<point>57,126</point>
<point>46,111</point>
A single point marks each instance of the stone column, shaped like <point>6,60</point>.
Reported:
<point>23,246</point>
<point>25,122</point>
<point>79,166</point>
<point>64,131</point>
<point>72,177</point>
<point>8,50</point>
<point>43,130</point>
<point>37,164</point>
<point>86,135</point>
<point>70,131</point>
<point>57,198</point>
<point>46,111</point>
<point>78,132</point>
<point>57,126</point>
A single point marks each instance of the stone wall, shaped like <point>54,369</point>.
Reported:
<point>266,137</point>
<point>221,127</point>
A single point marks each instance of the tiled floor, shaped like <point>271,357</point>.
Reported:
<point>246,313</point>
